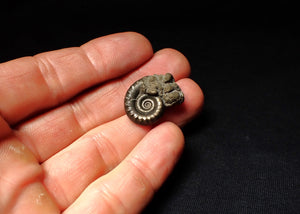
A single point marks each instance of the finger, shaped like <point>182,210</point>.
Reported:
<point>31,84</point>
<point>20,186</point>
<point>192,105</point>
<point>51,132</point>
<point>4,127</point>
<point>100,150</point>
<point>130,186</point>
<point>92,156</point>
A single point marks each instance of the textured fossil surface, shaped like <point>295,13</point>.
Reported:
<point>147,98</point>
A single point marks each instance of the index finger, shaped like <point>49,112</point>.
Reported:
<point>31,84</point>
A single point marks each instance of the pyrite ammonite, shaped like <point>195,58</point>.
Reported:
<point>147,98</point>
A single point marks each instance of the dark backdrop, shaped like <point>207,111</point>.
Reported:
<point>242,153</point>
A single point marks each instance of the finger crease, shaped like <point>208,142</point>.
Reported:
<point>141,167</point>
<point>104,145</point>
<point>49,74</point>
<point>87,55</point>
<point>109,196</point>
<point>75,108</point>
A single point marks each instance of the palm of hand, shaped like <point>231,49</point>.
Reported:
<point>84,154</point>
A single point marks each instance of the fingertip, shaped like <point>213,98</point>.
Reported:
<point>172,135</point>
<point>192,105</point>
<point>159,151</point>
<point>139,38</point>
<point>194,99</point>
<point>194,95</point>
<point>118,53</point>
<point>179,61</point>
<point>129,36</point>
<point>174,142</point>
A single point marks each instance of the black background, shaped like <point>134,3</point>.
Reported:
<point>242,154</point>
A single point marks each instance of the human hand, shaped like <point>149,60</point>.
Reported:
<point>66,143</point>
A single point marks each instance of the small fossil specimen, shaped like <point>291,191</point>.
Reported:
<point>147,98</point>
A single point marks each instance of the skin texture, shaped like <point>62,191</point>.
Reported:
<point>66,145</point>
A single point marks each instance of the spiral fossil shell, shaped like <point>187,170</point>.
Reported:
<point>147,98</point>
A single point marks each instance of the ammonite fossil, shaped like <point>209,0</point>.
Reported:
<point>147,98</point>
